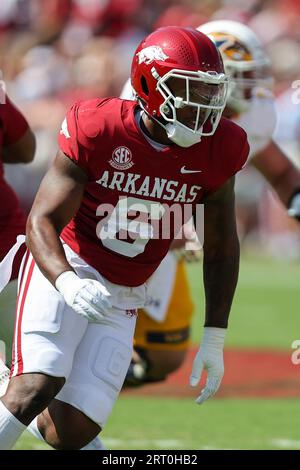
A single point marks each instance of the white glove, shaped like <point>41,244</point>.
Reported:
<point>87,297</point>
<point>294,207</point>
<point>210,358</point>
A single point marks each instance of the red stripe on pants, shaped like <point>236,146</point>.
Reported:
<point>17,307</point>
<point>21,302</point>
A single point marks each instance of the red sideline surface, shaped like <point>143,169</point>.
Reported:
<point>248,374</point>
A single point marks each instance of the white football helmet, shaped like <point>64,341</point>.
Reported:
<point>244,60</point>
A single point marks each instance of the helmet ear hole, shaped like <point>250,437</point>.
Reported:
<point>144,85</point>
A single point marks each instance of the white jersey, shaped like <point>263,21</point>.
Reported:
<point>287,132</point>
<point>259,122</point>
<point>160,288</point>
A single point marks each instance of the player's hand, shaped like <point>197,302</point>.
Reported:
<point>187,248</point>
<point>192,253</point>
<point>294,207</point>
<point>88,297</point>
<point>210,358</point>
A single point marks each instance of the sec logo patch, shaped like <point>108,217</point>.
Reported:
<point>121,158</point>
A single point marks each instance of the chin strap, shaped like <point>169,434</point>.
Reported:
<point>175,132</point>
<point>181,136</point>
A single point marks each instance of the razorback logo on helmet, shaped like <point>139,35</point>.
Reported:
<point>121,158</point>
<point>151,53</point>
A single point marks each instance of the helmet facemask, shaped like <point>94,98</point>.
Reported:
<point>248,79</point>
<point>245,62</point>
<point>193,104</point>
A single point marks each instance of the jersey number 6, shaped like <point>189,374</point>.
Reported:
<point>127,229</point>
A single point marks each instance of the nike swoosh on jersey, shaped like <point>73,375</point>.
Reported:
<point>184,170</point>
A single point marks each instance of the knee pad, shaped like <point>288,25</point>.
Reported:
<point>95,388</point>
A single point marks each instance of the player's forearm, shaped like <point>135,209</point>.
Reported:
<point>220,280</point>
<point>21,151</point>
<point>286,186</point>
<point>279,171</point>
<point>44,243</point>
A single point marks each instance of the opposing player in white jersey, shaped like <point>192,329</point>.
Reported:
<point>162,331</point>
<point>251,105</point>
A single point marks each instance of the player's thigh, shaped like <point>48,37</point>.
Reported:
<point>28,394</point>
<point>164,362</point>
<point>47,331</point>
<point>100,366</point>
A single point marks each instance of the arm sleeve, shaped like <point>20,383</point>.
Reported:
<point>13,122</point>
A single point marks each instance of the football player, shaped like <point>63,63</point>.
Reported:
<point>97,230</point>
<point>17,145</point>
<point>163,327</point>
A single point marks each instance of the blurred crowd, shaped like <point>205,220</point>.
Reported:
<point>54,52</point>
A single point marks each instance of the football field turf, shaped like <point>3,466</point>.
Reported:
<point>265,315</point>
<point>148,423</point>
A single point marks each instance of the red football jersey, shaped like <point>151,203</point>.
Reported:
<point>13,126</point>
<point>128,178</point>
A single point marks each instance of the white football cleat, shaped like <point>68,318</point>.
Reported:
<point>4,378</point>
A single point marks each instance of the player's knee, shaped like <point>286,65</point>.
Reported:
<point>66,428</point>
<point>70,440</point>
<point>163,363</point>
<point>153,366</point>
<point>29,394</point>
